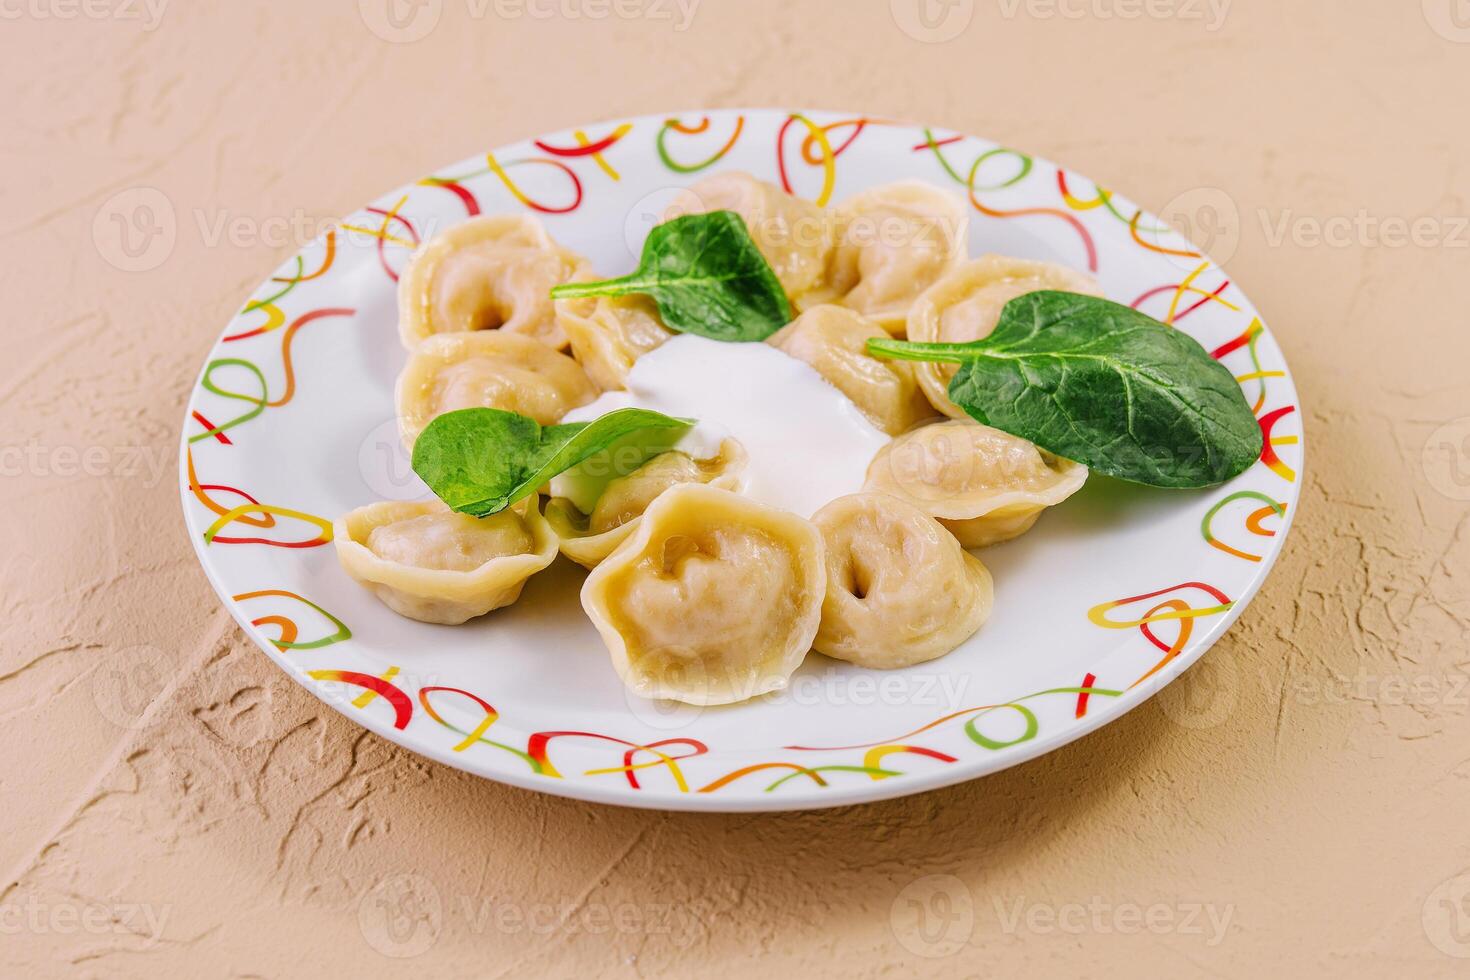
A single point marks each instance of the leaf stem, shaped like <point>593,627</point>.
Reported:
<point>603,287</point>
<point>908,350</point>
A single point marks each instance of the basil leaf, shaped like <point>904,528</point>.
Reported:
<point>479,461</point>
<point>706,276</point>
<point>1105,385</point>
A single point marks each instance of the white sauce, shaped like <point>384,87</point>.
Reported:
<point>808,443</point>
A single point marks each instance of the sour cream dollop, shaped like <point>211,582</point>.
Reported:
<point>808,444</point>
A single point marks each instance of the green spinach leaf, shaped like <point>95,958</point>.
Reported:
<point>706,276</point>
<point>1104,385</point>
<point>479,461</point>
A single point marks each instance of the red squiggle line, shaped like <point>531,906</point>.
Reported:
<point>809,145</point>
<point>1084,695</point>
<point>583,151</point>
<point>537,745</point>
<point>1169,289</point>
<point>402,706</point>
<point>781,155</point>
<point>471,206</point>
<point>199,490</point>
<point>1250,333</point>
<point>1268,451</point>
<point>208,426</point>
<point>1078,226</point>
<point>382,242</point>
<point>947,141</point>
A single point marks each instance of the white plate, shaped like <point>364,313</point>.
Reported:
<point>292,423</point>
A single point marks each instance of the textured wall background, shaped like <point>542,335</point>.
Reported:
<point>173,805</point>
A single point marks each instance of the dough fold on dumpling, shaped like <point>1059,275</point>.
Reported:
<point>714,598</point>
<point>609,333</point>
<point>895,241</point>
<point>428,563</point>
<point>489,273</point>
<point>900,589</point>
<point>966,304</point>
<point>985,485</point>
<point>833,339</point>
<point>795,236</point>
<point>487,369</point>
<point>587,539</point>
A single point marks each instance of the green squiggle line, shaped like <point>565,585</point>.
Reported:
<point>869,770</point>
<point>1204,526</point>
<point>259,401</point>
<point>343,633</point>
<point>674,165</point>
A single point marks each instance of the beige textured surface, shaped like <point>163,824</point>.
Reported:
<point>173,805</point>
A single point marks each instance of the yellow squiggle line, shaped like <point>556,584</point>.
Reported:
<point>663,760</point>
<point>829,160</point>
<point>1098,615</point>
<point>366,697</point>
<point>382,231</point>
<point>1179,293</point>
<point>230,515</point>
<point>275,317</point>
<point>598,158</point>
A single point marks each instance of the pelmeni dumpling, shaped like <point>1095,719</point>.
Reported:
<point>488,369</point>
<point>589,538</point>
<point>713,599</point>
<point>983,484</point>
<point>966,304</point>
<point>894,242</point>
<point>900,589</point>
<point>489,273</point>
<point>794,235</point>
<point>428,563</point>
<point>832,340</point>
<point>609,333</point>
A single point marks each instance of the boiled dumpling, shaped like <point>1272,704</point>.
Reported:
<point>894,242</point>
<point>985,485</point>
<point>609,333</point>
<point>428,563</point>
<point>713,599</point>
<point>589,538</point>
<point>794,235</point>
<point>488,369</point>
<point>900,589</point>
<point>832,340</point>
<point>966,305</point>
<point>488,273</point>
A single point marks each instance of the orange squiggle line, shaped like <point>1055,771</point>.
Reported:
<point>731,777</point>
<point>290,335</point>
<point>199,491</point>
<point>327,260</point>
<point>1133,230</point>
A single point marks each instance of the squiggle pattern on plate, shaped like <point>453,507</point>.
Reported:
<point>805,153</point>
